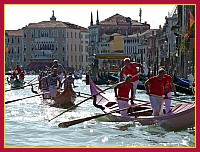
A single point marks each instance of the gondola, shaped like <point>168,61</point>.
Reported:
<point>65,99</point>
<point>181,115</point>
<point>17,84</point>
<point>182,86</point>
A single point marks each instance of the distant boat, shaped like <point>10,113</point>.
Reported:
<point>8,72</point>
<point>182,86</point>
<point>17,84</point>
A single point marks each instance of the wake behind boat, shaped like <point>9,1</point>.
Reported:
<point>181,116</point>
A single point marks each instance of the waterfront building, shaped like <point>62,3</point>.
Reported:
<point>115,24</point>
<point>180,34</point>
<point>13,49</point>
<point>45,41</point>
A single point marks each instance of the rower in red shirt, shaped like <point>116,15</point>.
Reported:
<point>130,68</point>
<point>169,87</point>
<point>21,76</point>
<point>18,69</point>
<point>155,87</point>
<point>122,91</point>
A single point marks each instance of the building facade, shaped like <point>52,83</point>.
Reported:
<point>115,24</point>
<point>45,41</point>
<point>13,48</point>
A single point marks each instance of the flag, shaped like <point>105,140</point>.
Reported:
<point>7,49</point>
<point>189,26</point>
<point>190,19</point>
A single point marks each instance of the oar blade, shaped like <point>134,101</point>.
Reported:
<point>70,123</point>
<point>74,122</point>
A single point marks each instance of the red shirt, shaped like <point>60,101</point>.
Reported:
<point>124,90</point>
<point>168,80</point>
<point>156,86</point>
<point>132,71</point>
<point>18,69</point>
<point>21,75</point>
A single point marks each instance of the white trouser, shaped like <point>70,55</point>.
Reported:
<point>168,102</point>
<point>53,91</point>
<point>135,83</point>
<point>61,76</point>
<point>123,104</point>
<point>46,93</point>
<point>156,104</point>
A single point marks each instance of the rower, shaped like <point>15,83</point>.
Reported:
<point>155,89</point>
<point>54,83</point>
<point>130,68</point>
<point>21,76</point>
<point>44,86</point>
<point>60,68</point>
<point>18,69</point>
<point>122,91</point>
<point>169,86</point>
<point>69,84</point>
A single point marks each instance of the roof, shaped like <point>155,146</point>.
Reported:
<point>14,32</point>
<point>47,24</point>
<point>119,19</point>
<point>56,24</point>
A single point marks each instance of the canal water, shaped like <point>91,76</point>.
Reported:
<point>27,125</point>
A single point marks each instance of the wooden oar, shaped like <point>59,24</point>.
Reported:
<point>83,93</point>
<point>77,121</point>
<point>82,96</point>
<point>22,98</point>
<point>31,81</point>
<point>20,87</point>
<point>169,98</point>
<point>82,102</point>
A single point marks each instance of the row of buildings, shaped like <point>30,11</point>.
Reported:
<point>38,44</point>
<point>173,45</point>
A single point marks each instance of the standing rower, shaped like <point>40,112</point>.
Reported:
<point>155,87</point>
<point>122,91</point>
<point>130,68</point>
<point>69,84</point>
<point>60,68</point>
<point>54,83</point>
<point>169,87</point>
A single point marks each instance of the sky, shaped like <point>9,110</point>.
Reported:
<point>18,16</point>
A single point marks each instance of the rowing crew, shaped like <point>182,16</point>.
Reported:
<point>17,74</point>
<point>157,87</point>
<point>52,83</point>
